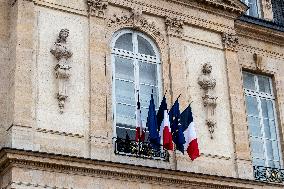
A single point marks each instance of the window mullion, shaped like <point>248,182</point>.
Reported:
<point>262,129</point>
<point>261,120</point>
<point>277,135</point>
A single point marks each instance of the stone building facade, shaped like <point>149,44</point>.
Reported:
<point>57,96</point>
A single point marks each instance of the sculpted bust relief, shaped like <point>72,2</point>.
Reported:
<point>62,53</point>
<point>208,83</point>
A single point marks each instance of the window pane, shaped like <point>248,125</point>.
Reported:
<point>269,150</point>
<point>145,95</point>
<point>254,126</point>
<point>271,164</point>
<point>264,84</point>
<point>124,92</point>
<point>277,164</point>
<point>272,127</point>
<point>257,148</point>
<point>121,133</point>
<point>264,108</point>
<point>253,9</point>
<point>124,68</point>
<point>276,155</point>
<point>266,128</point>
<point>144,47</point>
<point>251,103</point>
<point>249,81</point>
<point>270,108</point>
<point>269,129</point>
<point>148,73</point>
<point>124,42</point>
<point>258,162</point>
<point>144,115</point>
<point>125,111</point>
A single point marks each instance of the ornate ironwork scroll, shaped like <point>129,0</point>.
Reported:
<point>268,174</point>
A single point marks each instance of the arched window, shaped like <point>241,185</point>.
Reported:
<point>136,68</point>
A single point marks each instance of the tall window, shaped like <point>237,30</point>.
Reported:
<point>136,66</point>
<point>262,121</point>
<point>254,7</point>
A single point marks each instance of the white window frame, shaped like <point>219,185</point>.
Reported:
<point>136,57</point>
<point>268,96</point>
<point>258,7</point>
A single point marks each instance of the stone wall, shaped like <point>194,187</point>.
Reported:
<point>6,83</point>
<point>188,37</point>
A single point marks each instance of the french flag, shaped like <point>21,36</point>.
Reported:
<point>165,132</point>
<point>140,133</point>
<point>188,127</point>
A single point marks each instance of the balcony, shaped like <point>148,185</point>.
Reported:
<point>144,150</point>
<point>268,174</point>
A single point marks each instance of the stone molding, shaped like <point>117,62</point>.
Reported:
<point>228,5</point>
<point>260,33</point>
<point>215,156</point>
<point>230,41</point>
<point>202,42</point>
<point>260,51</point>
<point>57,6</point>
<point>41,130</point>
<point>62,53</point>
<point>29,184</point>
<point>156,10</point>
<point>97,7</point>
<point>10,158</point>
<point>166,12</point>
<point>258,64</point>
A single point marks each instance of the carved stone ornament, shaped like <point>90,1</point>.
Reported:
<point>257,60</point>
<point>97,7</point>
<point>230,41</point>
<point>174,26</point>
<point>62,69</point>
<point>136,20</point>
<point>208,83</point>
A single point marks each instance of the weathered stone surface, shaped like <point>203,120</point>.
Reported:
<point>187,35</point>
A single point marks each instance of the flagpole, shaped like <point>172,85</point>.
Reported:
<point>175,157</point>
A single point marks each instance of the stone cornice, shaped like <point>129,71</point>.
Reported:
<point>258,32</point>
<point>234,7</point>
<point>87,167</point>
<point>160,11</point>
<point>176,12</point>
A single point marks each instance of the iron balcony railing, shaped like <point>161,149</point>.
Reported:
<point>268,174</point>
<point>139,149</point>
